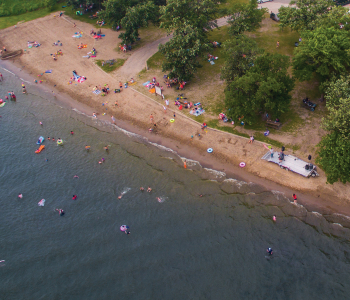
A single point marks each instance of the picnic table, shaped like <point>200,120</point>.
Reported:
<point>273,124</point>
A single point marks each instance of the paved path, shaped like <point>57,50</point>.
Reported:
<point>137,61</point>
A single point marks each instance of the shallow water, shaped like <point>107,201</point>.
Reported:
<point>182,247</point>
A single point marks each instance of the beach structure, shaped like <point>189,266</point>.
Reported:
<point>292,163</point>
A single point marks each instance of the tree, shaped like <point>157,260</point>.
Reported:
<point>264,87</point>
<point>240,53</point>
<point>136,17</point>
<point>245,17</point>
<point>200,14</point>
<point>77,3</point>
<point>333,150</point>
<point>182,51</point>
<point>189,21</point>
<point>114,11</point>
<point>325,51</point>
<point>304,15</point>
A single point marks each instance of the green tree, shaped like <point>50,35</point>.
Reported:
<point>114,11</point>
<point>325,51</point>
<point>240,53</point>
<point>50,4</point>
<point>77,3</point>
<point>245,17</point>
<point>136,17</point>
<point>304,15</point>
<point>333,150</point>
<point>200,14</point>
<point>182,51</point>
<point>263,88</point>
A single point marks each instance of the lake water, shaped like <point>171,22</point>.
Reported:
<point>183,247</point>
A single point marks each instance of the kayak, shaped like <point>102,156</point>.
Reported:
<point>41,148</point>
<point>40,140</point>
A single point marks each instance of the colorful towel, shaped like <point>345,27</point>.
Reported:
<point>48,71</point>
<point>146,83</point>
<point>96,92</point>
<point>212,63</point>
<point>77,36</point>
<point>131,83</point>
<point>152,91</point>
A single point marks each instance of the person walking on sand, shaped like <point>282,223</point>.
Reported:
<point>164,109</point>
<point>251,139</point>
<point>151,118</point>
<point>113,120</point>
<point>167,102</point>
<point>74,25</point>
<point>295,198</point>
<point>120,85</point>
<point>278,44</point>
<point>1,78</point>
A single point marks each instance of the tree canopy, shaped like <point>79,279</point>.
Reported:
<point>240,53</point>
<point>333,150</point>
<point>182,51</point>
<point>189,21</point>
<point>265,87</point>
<point>325,51</point>
<point>245,17</point>
<point>303,14</point>
<point>136,17</point>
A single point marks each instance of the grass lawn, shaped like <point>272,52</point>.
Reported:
<point>28,16</point>
<point>110,68</point>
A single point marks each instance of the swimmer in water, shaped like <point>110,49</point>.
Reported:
<point>102,159</point>
<point>119,197</point>
<point>74,197</point>
<point>200,195</point>
<point>87,147</point>
<point>269,250</point>
<point>20,196</point>
<point>53,138</point>
<point>142,189</point>
<point>60,211</point>
<point>149,189</point>
<point>100,162</point>
<point>106,148</point>
<point>41,123</point>
<point>274,218</point>
<point>71,132</point>
<point>127,232</point>
<point>75,176</point>
<point>48,138</point>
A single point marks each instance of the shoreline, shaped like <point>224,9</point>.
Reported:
<point>310,201</point>
<point>133,115</point>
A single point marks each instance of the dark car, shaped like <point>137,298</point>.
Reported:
<point>274,17</point>
<point>308,104</point>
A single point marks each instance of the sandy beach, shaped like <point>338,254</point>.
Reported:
<point>134,110</point>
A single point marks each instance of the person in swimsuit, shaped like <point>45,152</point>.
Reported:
<point>142,189</point>
<point>269,250</point>
<point>149,189</point>
<point>74,197</point>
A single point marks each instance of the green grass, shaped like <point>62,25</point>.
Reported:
<point>107,68</point>
<point>155,61</point>
<point>17,7</point>
<point>215,124</point>
<point>13,20</point>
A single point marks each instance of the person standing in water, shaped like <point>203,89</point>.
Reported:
<point>269,250</point>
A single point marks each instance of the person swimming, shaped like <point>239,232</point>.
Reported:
<point>75,176</point>
<point>269,250</point>
<point>149,189</point>
<point>274,218</point>
<point>102,159</point>
<point>20,196</point>
<point>106,148</point>
<point>48,138</point>
<point>60,211</point>
<point>119,197</point>
<point>53,138</point>
<point>71,132</point>
<point>127,232</point>
<point>87,147</point>
<point>74,197</point>
<point>142,189</point>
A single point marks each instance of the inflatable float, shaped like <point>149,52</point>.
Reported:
<point>41,148</point>
<point>124,228</point>
<point>41,202</point>
<point>59,142</point>
<point>242,164</point>
<point>40,140</point>
<point>210,150</point>
<point>2,104</point>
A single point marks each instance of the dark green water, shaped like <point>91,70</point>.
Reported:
<point>185,247</point>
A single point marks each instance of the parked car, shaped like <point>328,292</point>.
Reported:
<point>308,104</point>
<point>274,17</point>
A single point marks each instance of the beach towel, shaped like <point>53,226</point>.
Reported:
<point>77,36</point>
<point>131,83</point>
<point>198,112</point>
<point>97,37</point>
<point>212,63</point>
<point>87,56</point>
<point>152,91</point>
<point>196,104</point>
<point>146,83</point>
<point>48,71</point>
<point>96,92</point>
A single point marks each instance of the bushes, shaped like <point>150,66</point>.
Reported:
<point>17,7</point>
